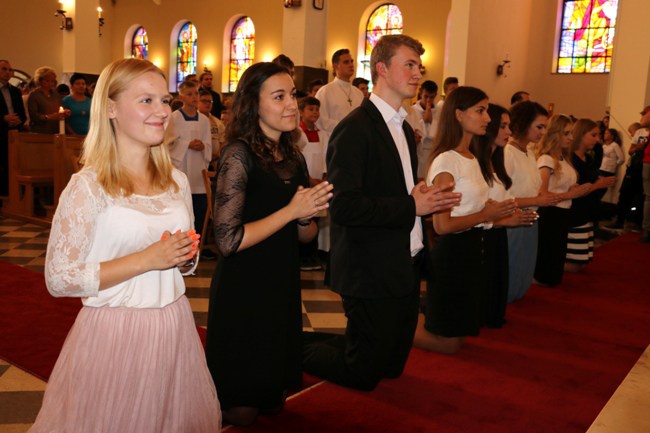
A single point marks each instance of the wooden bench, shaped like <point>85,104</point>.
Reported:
<point>67,151</point>
<point>31,165</point>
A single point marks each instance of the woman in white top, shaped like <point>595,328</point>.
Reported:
<point>121,236</point>
<point>528,123</point>
<point>558,177</point>
<point>458,287</point>
<point>489,153</point>
<point>612,153</point>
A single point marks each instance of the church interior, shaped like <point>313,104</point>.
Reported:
<point>500,46</point>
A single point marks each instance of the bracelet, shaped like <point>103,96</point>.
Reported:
<point>303,223</point>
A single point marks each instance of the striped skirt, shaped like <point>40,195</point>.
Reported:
<point>580,244</point>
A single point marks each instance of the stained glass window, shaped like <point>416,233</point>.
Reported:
<point>242,50</point>
<point>385,20</point>
<point>186,52</point>
<point>140,44</point>
<point>587,36</point>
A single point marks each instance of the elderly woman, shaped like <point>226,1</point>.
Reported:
<point>44,103</point>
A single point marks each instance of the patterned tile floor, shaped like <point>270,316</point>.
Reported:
<point>24,244</point>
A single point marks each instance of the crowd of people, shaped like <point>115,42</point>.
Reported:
<point>510,194</point>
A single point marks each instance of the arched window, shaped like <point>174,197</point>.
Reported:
<point>242,50</point>
<point>186,52</point>
<point>586,36</point>
<point>140,44</point>
<point>385,20</point>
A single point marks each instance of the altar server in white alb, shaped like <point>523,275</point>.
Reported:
<point>339,97</point>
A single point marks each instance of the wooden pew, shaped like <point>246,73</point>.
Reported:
<point>31,165</point>
<point>67,151</point>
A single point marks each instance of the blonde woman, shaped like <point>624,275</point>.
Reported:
<point>121,236</point>
<point>558,177</point>
<point>44,103</point>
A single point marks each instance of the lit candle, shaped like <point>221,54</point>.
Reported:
<point>99,12</point>
<point>61,121</point>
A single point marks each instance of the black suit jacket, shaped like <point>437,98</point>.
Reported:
<point>19,108</point>
<point>372,212</point>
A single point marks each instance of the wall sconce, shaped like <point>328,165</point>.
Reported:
<point>501,68</point>
<point>292,3</point>
<point>100,19</point>
<point>66,22</point>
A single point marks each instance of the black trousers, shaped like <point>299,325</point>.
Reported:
<point>376,344</point>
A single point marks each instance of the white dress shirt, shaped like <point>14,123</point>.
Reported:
<point>394,120</point>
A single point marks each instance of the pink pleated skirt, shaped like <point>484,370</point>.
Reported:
<point>131,370</point>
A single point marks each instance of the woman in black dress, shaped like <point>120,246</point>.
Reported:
<point>262,209</point>
<point>584,209</point>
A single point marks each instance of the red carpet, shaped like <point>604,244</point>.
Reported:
<point>550,369</point>
<point>34,324</point>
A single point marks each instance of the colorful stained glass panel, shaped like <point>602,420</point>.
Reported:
<point>140,44</point>
<point>385,20</point>
<point>242,50</point>
<point>587,36</point>
<point>186,52</point>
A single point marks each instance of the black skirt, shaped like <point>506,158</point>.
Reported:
<point>497,267</point>
<point>457,289</point>
<point>551,246</point>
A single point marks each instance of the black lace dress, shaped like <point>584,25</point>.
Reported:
<point>255,317</point>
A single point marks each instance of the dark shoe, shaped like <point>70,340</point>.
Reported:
<point>310,264</point>
<point>615,226</point>
<point>208,254</point>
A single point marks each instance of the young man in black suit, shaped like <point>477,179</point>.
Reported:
<point>12,116</point>
<point>377,240</point>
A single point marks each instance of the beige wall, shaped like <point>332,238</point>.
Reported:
<point>529,42</point>
<point>31,35</point>
<point>583,95</point>
<point>523,29</point>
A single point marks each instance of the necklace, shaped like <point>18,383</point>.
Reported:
<point>347,94</point>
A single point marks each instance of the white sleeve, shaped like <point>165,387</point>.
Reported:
<point>620,158</point>
<point>508,161</point>
<point>546,161</point>
<point>325,121</point>
<point>67,273</point>
<point>206,137</point>
<point>177,145</point>
<point>444,163</point>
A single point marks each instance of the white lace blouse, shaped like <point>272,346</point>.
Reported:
<point>91,227</point>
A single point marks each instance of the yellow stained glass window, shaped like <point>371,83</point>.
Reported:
<point>242,50</point>
<point>587,36</point>
<point>385,20</point>
<point>186,52</point>
<point>140,44</point>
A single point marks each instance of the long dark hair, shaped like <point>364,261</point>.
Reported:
<point>244,124</point>
<point>616,136</point>
<point>450,132</point>
<point>492,161</point>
